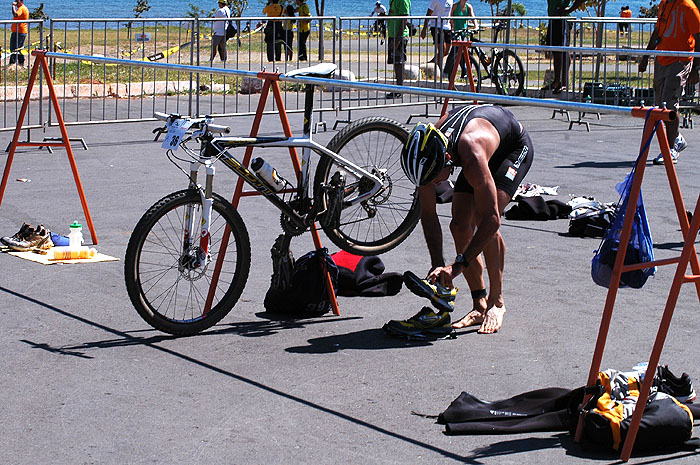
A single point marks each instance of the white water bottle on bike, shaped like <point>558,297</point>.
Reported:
<point>268,174</point>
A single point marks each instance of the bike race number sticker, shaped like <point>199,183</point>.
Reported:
<point>176,131</point>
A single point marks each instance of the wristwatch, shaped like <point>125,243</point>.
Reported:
<point>461,260</point>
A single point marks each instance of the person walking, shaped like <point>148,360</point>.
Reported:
<point>303,28</point>
<point>19,31</point>
<point>397,32</point>
<point>677,28</point>
<point>218,41</point>
<point>494,153</point>
<point>440,28</point>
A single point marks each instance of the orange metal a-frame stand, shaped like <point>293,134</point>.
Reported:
<point>40,61</point>
<point>271,81</point>
<point>462,51</point>
<point>688,257</point>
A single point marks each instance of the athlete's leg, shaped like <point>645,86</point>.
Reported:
<point>494,256</point>
<point>463,227</point>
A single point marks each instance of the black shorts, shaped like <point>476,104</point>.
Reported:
<point>510,173</point>
<point>446,34</point>
<point>396,50</point>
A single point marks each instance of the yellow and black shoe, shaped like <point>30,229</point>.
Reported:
<point>425,323</point>
<point>441,297</point>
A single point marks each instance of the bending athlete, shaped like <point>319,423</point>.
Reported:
<point>494,153</point>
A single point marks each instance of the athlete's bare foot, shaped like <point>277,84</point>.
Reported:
<point>473,318</point>
<point>493,320</point>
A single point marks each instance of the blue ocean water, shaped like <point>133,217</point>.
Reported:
<point>56,9</point>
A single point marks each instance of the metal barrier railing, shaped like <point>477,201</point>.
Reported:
<point>326,82</point>
<point>13,76</point>
<point>92,93</point>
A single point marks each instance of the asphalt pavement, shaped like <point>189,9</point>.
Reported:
<point>86,380</point>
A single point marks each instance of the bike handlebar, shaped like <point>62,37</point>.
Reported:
<point>215,128</point>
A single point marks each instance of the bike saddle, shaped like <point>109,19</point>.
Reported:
<point>322,70</point>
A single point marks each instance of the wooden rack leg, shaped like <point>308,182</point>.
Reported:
<point>678,280</point>
<point>40,61</point>
<point>270,82</point>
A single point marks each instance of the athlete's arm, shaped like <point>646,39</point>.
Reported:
<point>432,231</point>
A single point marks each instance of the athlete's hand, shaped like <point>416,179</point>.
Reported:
<point>442,275</point>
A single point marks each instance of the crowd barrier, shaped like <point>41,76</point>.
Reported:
<point>92,92</point>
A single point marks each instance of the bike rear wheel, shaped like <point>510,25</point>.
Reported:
<point>167,293</point>
<point>509,73</point>
<point>382,222</point>
<point>476,72</point>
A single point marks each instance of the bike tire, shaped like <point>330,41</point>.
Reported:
<point>375,144</point>
<point>171,298</point>
<point>509,73</point>
<point>476,72</point>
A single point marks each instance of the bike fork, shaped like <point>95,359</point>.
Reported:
<point>202,254</point>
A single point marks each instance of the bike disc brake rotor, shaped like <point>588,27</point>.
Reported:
<point>190,266</point>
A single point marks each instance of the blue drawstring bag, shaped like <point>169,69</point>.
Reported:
<point>640,248</point>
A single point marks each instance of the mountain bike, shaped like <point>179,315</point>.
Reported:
<point>503,67</point>
<point>188,257</point>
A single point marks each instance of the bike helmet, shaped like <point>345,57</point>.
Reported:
<point>423,156</point>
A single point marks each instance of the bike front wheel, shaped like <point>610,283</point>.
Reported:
<point>167,290</point>
<point>509,73</point>
<point>383,221</point>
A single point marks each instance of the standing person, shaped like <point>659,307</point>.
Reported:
<point>558,35</point>
<point>626,13</point>
<point>303,29</point>
<point>458,23</point>
<point>677,28</point>
<point>440,29</point>
<point>288,32</point>
<point>218,41</point>
<point>19,32</point>
<point>273,30</point>
<point>397,41</point>
<point>494,153</point>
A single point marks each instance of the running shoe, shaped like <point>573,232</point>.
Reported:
<point>424,323</point>
<point>38,238</point>
<point>680,144</point>
<point>680,388</point>
<point>20,235</point>
<point>659,160</point>
<point>441,297</point>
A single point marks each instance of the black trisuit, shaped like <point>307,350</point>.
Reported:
<point>514,155</point>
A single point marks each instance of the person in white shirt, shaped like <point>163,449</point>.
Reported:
<point>379,26</point>
<point>440,28</point>
<point>218,41</point>
<point>379,10</point>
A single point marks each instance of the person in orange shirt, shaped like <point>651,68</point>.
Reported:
<point>19,32</point>
<point>677,29</point>
<point>626,13</point>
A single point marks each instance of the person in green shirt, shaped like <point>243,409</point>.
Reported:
<point>558,35</point>
<point>397,31</point>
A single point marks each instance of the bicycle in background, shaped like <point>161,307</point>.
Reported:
<point>503,67</point>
